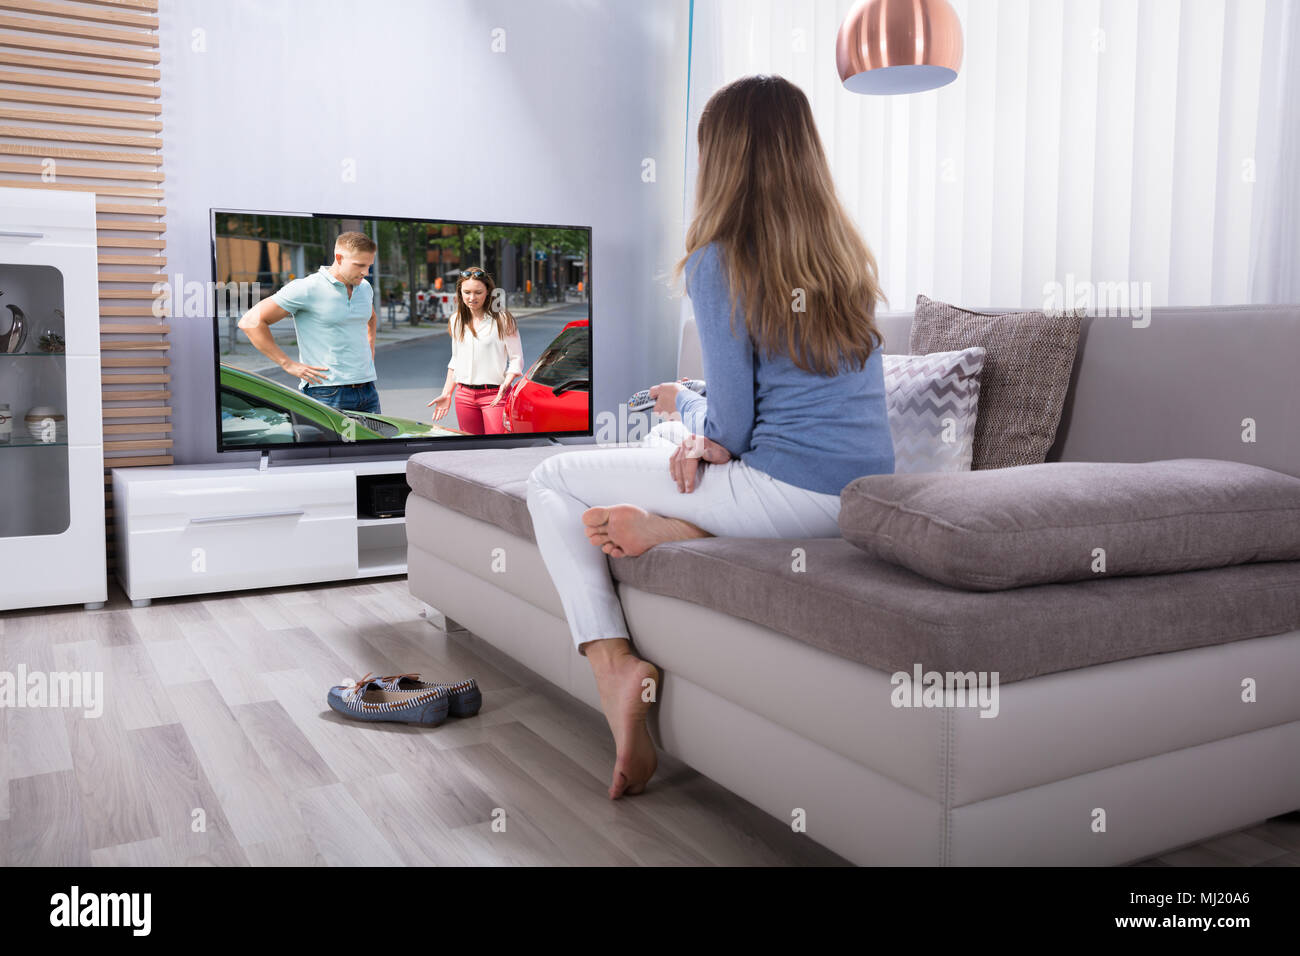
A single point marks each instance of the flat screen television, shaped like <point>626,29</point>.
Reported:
<point>300,379</point>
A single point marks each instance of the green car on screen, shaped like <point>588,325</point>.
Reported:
<point>258,411</point>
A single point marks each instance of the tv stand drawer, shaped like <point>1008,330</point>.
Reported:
<point>198,533</point>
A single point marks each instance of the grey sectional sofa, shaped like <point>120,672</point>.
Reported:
<point>1121,729</point>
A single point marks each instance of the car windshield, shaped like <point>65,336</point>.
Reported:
<point>568,359</point>
<point>246,420</point>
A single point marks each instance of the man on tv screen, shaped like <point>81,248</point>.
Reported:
<point>333,312</point>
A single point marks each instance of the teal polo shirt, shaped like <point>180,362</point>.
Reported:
<point>331,327</point>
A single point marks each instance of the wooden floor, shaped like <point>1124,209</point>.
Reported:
<point>216,747</point>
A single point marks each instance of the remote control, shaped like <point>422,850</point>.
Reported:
<point>640,401</point>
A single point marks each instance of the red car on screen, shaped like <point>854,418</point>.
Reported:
<point>555,395</point>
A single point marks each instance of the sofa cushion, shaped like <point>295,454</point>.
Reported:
<point>1027,364</point>
<point>933,403</point>
<point>837,598</point>
<point>486,483</point>
<point>1072,521</point>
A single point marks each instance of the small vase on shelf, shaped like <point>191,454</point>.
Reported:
<point>45,423</point>
<point>51,339</point>
<point>12,338</point>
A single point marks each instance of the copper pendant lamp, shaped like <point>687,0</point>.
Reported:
<point>898,46</point>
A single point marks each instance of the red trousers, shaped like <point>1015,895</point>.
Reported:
<point>473,414</point>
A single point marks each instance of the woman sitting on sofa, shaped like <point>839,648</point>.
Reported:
<point>784,291</point>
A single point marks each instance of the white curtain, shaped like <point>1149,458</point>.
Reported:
<point>1084,141</point>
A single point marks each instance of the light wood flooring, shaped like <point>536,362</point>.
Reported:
<point>216,747</point>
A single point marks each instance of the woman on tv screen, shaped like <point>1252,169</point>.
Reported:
<point>486,357</point>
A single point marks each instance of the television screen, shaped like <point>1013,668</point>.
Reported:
<point>334,329</point>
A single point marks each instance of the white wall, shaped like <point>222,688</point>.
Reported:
<point>264,100</point>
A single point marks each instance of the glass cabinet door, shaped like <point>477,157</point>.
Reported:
<point>34,480</point>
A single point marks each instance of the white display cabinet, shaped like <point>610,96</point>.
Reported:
<point>51,446</point>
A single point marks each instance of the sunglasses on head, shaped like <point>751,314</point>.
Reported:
<point>473,274</point>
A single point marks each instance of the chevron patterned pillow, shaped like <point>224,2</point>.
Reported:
<point>933,402</point>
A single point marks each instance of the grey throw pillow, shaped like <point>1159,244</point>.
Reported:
<point>1027,364</point>
<point>1073,521</point>
<point>933,401</point>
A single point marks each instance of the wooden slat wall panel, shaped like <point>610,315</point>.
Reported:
<point>81,136</point>
<point>63,99</point>
<point>70,65</point>
<point>143,5</point>
<point>79,89</point>
<point>76,84</point>
<point>121,16</point>
<point>82,119</point>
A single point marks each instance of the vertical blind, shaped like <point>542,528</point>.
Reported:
<point>1083,142</point>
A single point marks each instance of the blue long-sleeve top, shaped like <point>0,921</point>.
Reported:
<point>814,431</point>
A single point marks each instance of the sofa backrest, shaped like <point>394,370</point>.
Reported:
<point>1187,385</point>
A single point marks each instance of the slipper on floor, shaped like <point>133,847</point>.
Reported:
<point>365,699</point>
<point>466,698</point>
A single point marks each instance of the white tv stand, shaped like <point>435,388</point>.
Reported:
<point>195,529</point>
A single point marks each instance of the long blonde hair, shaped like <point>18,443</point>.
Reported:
<point>765,195</point>
<point>463,319</point>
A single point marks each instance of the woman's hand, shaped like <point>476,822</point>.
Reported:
<point>684,463</point>
<point>502,392</point>
<point>441,405</point>
<point>711,451</point>
<point>665,396</point>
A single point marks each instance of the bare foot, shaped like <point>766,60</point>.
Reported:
<point>623,692</point>
<point>626,530</point>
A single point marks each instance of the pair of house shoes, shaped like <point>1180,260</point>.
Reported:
<point>404,698</point>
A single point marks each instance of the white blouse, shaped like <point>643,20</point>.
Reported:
<point>482,360</point>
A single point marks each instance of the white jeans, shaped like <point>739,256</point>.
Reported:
<point>731,500</point>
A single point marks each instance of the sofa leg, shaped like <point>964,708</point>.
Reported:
<point>441,621</point>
